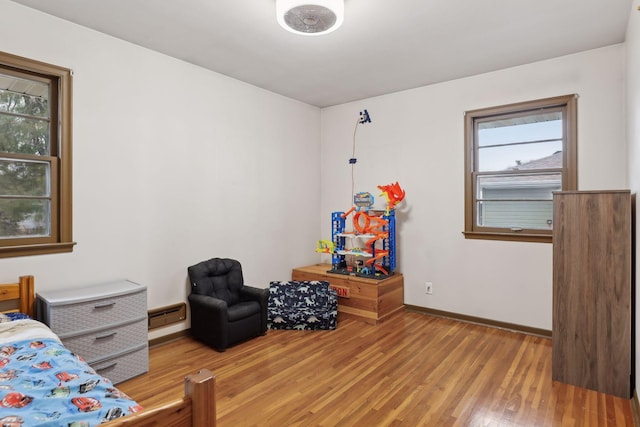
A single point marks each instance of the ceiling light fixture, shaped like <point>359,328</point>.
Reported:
<point>310,17</point>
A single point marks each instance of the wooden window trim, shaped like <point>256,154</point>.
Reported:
<point>569,167</point>
<point>62,225</point>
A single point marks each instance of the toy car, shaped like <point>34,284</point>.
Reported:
<point>113,413</point>
<point>15,400</point>
<point>65,376</point>
<point>11,421</point>
<point>86,404</point>
<point>59,392</point>
<point>88,386</point>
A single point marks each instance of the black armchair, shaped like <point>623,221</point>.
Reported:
<point>223,310</point>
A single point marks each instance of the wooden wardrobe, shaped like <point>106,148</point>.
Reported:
<point>591,344</point>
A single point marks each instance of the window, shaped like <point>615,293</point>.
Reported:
<point>515,157</point>
<point>35,157</point>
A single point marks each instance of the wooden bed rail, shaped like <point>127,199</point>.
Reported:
<point>196,409</point>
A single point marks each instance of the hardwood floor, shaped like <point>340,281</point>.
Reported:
<point>412,370</point>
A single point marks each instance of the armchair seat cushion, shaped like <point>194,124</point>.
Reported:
<point>302,305</point>
<point>242,310</point>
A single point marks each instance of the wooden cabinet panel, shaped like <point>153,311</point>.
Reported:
<point>301,275</point>
<point>592,290</point>
<point>369,300</point>
<point>390,300</point>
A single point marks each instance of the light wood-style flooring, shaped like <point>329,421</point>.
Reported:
<point>412,370</point>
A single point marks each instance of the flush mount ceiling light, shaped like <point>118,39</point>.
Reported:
<point>310,17</point>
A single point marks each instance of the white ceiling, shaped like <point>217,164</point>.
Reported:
<point>384,46</point>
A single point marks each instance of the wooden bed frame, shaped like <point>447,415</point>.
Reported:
<point>196,409</point>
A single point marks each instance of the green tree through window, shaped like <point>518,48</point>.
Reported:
<point>35,177</point>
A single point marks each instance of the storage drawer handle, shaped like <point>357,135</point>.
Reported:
<point>107,335</point>
<point>104,304</point>
<point>104,368</point>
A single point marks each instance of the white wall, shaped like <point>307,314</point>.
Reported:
<point>416,138</point>
<point>633,137</point>
<point>172,164</point>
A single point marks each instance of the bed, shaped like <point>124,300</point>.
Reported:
<point>44,384</point>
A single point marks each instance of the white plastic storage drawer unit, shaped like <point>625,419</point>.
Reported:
<point>105,324</point>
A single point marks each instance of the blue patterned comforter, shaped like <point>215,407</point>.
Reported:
<point>42,383</point>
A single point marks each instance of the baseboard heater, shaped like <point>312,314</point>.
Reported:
<point>164,316</point>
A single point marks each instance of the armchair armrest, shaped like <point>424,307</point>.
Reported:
<point>252,293</point>
<point>207,310</point>
<point>255,294</point>
<point>209,320</point>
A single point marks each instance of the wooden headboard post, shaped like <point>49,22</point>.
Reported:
<point>201,387</point>
<point>27,293</point>
<point>18,296</point>
<point>197,408</point>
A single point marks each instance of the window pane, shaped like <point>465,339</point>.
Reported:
<point>25,218</point>
<point>518,186</point>
<point>532,127</point>
<point>520,142</point>
<point>540,155</point>
<point>531,214</point>
<point>24,116</point>
<point>24,178</point>
<point>24,97</point>
<point>24,136</point>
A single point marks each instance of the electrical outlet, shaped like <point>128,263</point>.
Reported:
<point>429,288</point>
